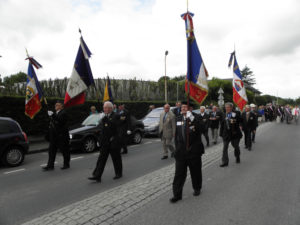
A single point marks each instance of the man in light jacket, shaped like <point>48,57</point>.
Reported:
<point>167,130</point>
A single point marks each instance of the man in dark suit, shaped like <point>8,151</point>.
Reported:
<point>124,127</point>
<point>248,125</point>
<point>214,118</point>
<point>58,137</point>
<point>231,133</point>
<point>204,124</point>
<point>255,111</point>
<point>188,152</point>
<point>109,143</point>
<point>176,111</point>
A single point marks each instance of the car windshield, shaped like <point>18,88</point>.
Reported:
<point>93,120</point>
<point>155,113</point>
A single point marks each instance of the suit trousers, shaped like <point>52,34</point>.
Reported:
<point>195,167</point>
<point>247,138</point>
<point>235,144</point>
<point>167,144</point>
<point>102,159</point>
<point>205,134</point>
<point>214,134</point>
<point>63,146</point>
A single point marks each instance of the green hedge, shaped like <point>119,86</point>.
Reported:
<point>14,107</point>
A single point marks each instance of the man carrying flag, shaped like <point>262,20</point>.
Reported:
<point>188,145</point>
<point>81,77</point>
<point>107,91</point>
<point>34,94</point>
<point>239,91</point>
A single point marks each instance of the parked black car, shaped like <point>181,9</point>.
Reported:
<point>13,142</point>
<point>85,137</point>
<point>151,121</point>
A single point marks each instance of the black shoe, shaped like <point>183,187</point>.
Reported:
<point>238,160</point>
<point>249,149</point>
<point>175,199</point>
<point>117,177</point>
<point>197,192</point>
<point>95,179</point>
<point>224,165</point>
<point>47,168</point>
<point>215,142</point>
<point>246,147</point>
<point>124,152</point>
<point>253,141</point>
<point>165,157</point>
<point>65,167</point>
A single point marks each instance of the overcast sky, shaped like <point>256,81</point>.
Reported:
<point>128,38</point>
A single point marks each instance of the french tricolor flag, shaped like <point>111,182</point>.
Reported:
<point>81,77</point>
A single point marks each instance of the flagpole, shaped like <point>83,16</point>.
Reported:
<point>188,89</point>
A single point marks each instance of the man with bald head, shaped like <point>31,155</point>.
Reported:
<point>109,143</point>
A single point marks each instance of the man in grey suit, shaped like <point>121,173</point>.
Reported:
<point>167,130</point>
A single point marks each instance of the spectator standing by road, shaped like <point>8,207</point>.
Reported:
<point>167,130</point>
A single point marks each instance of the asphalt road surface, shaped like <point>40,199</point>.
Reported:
<point>27,192</point>
<point>263,190</point>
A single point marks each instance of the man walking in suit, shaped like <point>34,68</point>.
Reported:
<point>188,153</point>
<point>124,127</point>
<point>167,130</point>
<point>109,143</point>
<point>248,125</point>
<point>214,118</point>
<point>204,123</point>
<point>58,137</point>
<point>231,133</point>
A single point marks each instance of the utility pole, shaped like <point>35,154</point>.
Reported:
<point>166,90</point>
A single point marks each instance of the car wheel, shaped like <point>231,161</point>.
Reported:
<point>13,156</point>
<point>137,137</point>
<point>89,145</point>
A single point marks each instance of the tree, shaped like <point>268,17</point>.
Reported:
<point>248,76</point>
<point>15,78</point>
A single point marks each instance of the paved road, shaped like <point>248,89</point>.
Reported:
<point>263,190</point>
<point>28,192</point>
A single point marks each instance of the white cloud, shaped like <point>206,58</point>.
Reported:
<point>128,38</point>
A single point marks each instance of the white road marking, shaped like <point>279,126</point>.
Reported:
<point>80,157</point>
<point>14,171</point>
<point>46,164</point>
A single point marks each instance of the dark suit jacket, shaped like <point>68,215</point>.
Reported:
<point>204,122</point>
<point>109,134</point>
<point>251,123</point>
<point>195,147</point>
<point>124,123</point>
<point>58,130</point>
<point>214,124</point>
<point>176,111</point>
<point>230,126</point>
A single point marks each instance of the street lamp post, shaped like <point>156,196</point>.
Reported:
<point>166,90</point>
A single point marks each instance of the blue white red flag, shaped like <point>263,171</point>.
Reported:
<point>196,79</point>
<point>81,77</point>
<point>239,90</point>
<point>34,93</point>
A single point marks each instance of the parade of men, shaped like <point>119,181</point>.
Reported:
<point>188,152</point>
<point>109,144</point>
<point>148,112</point>
<point>58,137</point>
<point>167,131</point>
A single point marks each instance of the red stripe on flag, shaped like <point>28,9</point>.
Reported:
<point>196,93</point>
<point>33,106</point>
<point>78,100</point>
<point>238,100</point>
